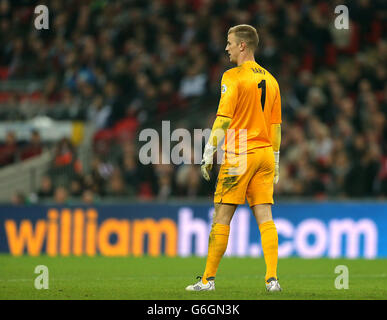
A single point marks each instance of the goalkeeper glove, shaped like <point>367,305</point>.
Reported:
<point>206,168</point>
<point>206,164</point>
<point>276,166</point>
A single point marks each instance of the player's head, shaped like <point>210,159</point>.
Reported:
<point>242,39</point>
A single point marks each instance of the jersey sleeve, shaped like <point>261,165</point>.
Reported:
<point>228,97</point>
<point>276,110</point>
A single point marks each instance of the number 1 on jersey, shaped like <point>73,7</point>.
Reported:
<point>262,85</point>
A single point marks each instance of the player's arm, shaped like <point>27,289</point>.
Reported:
<point>276,142</point>
<point>275,132</point>
<point>225,113</point>
<point>218,132</point>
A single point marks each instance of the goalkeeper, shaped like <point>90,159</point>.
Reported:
<point>249,121</point>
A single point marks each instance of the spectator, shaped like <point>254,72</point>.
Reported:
<point>101,171</point>
<point>75,188</point>
<point>116,185</point>
<point>9,150</point>
<point>46,189</point>
<point>99,113</point>
<point>188,181</point>
<point>34,146</point>
<point>164,187</point>
<point>131,173</point>
<point>60,195</point>
<point>18,198</point>
<point>88,197</point>
<point>194,83</point>
<point>65,164</point>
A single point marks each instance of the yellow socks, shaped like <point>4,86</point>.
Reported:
<point>217,245</point>
<point>269,240</point>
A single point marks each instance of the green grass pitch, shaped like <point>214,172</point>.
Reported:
<point>165,278</point>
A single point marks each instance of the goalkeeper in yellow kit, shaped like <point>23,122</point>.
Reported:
<point>249,108</point>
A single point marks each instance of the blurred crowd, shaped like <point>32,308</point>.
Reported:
<point>14,150</point>
<point>127,65</point>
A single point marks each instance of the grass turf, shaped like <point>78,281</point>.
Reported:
<point>165,278</point>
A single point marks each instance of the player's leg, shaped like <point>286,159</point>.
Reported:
<point>269,238</point>
<point>260,197</point>
<point>230,191</point>
<point>217,245</point>
<point>218,239</point>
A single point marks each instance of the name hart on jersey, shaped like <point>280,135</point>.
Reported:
<point>258,70</point>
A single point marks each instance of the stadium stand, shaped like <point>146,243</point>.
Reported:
<point>123,66</point>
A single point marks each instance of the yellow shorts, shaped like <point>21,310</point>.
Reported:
<point>246,176</point>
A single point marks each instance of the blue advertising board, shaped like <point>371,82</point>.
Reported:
<point>308,230</point>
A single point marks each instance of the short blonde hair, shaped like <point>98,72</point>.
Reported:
<point>246,33</point>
